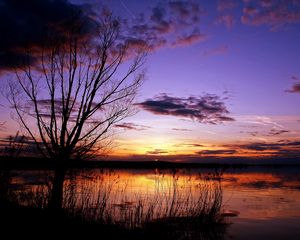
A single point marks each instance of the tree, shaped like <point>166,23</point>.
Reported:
<point>74,89</point>
<point>77,89</point>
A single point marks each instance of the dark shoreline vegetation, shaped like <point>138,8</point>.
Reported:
<point>38,163</point>
<point>26,204</point>
<point>174,215</point>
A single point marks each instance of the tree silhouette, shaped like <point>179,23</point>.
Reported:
<point>77,89</point>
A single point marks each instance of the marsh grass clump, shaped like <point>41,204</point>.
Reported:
<point>170,200</point>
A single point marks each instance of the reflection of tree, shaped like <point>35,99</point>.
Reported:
<point>5,177</point>
<point>174,206</point>
<point>76,92</point>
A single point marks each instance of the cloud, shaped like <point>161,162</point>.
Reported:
<point>189,40</point>
<point>181,129</point>
<point>216,51</point>
<point>131,126</point>
<point>135,45</point>
<point>293,77</point>
<point>224,5</point>
<point>187,12</point>
<point>272,132</point>
<point>226,17</point>
<point>295,88</point>
<point>204,109</point>
<point>188,145</point>
<point>161,25</point>
<point>217,152</point>
<point>2,126</point>
<point>227,20</point>
<point>25,24</point>
<point>264,121</point>
<point>276,148</point>
<point>275,14</point>
<point>275,132</point>
<point>193,145</point>
<point>157,152</point>
<point>250,11</point>
<point>46,104</point>
<point>266,3</point>
<point>261,146</point>
<point>174,23</point>
<point>252,133</point>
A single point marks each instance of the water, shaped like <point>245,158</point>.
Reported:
<point>268,201</point>
<point>265,201</point>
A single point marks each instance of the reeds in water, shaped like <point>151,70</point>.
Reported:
<point>104,197</point>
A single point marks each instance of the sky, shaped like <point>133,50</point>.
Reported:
<point>222,77</point>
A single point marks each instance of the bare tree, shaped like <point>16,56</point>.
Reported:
<point>69,99</point>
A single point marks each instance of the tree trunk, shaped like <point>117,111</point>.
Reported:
<point>56,198</point>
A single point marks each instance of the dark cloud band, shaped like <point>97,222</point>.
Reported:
<point>205,109</point>
<point>131,126</point>
<point>26,24</point>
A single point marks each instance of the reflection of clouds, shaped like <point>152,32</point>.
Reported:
<point>257,193</point>
<point>263,195</point>
<point>263,180</point>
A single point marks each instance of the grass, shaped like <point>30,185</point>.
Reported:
<point>172,207</point>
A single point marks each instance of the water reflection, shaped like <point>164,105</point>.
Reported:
<point>261,196</point>
<point>123,197</point>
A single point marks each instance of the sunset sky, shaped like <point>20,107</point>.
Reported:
<point>222,77</point>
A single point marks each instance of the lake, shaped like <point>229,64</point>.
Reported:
<point>257,202</point>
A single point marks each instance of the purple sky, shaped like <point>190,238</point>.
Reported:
<point>241,57</point>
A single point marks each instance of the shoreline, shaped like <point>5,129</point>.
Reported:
<point>38,163</point>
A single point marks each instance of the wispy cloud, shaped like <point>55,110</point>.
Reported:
<point>270,133</point>
<point>188,145</point>
<point>226,20</point>
<point>131,126</point>
<point>275,14</point>
<point>280,148</point>
<point>217,152</point>
<point>226,16</point>
<point>256,121</point>
<point>205,109</point>
<point>224,5</point>
<point>189,39</point>
<point>157,152</point>
<point>295,88</point>
<point>275,132</point>
<point>181,129</point>
<point>216,51</point>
